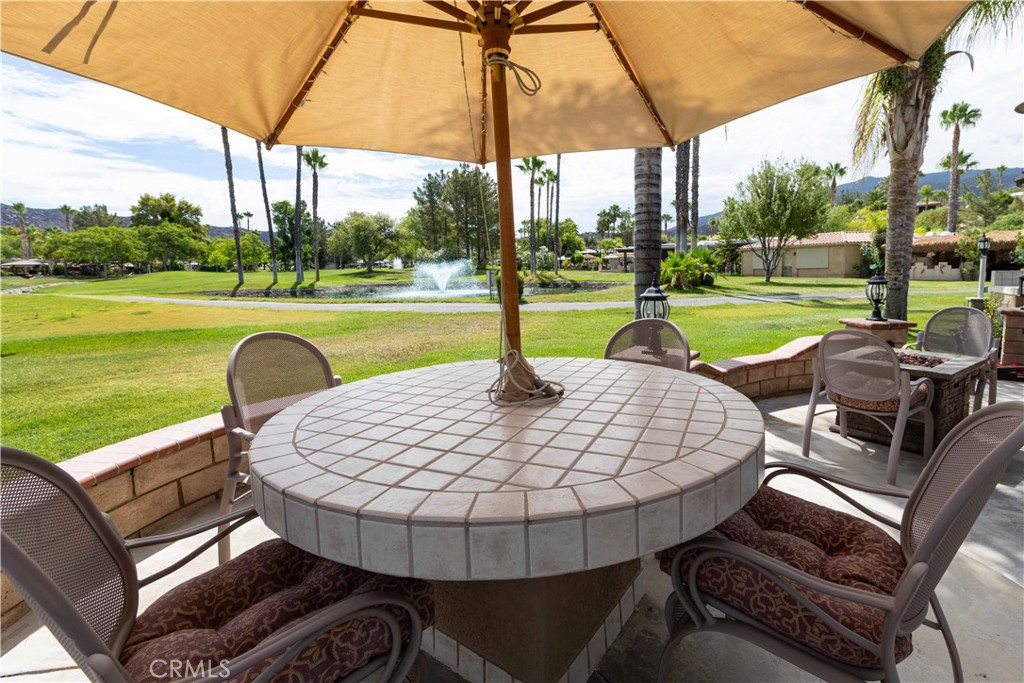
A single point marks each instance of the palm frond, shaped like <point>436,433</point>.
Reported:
<point>987,17</point>
<point>869,126</point>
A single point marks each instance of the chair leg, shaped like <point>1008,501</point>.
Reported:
<point>844,422</point>
<point>227,497</point>
<point>812,405</point>
<point>929,434</point>
<point>947,635</point>
<point>665,665</point>
<point>896,446</point>
<point>992,377</point>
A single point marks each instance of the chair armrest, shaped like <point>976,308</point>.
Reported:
<point>830,481</point>
<point>293,639</point>
<point>243,434</point>
<point>931,389</point>
<point>337,380</point>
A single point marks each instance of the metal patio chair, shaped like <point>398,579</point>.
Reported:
<point>275,613</point>
<point>964,331</point>
<point>830,592</point>
<point>653,342</point>
<point>267,371</point>
<point>862,375</point>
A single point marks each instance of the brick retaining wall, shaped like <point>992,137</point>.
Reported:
<point>786,370</point>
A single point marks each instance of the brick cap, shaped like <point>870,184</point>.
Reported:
<point>1012,311</point>
<point>865,324</point>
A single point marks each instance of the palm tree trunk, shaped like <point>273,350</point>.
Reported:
<point>832,193</point>
<point>234,213</point>
<point>26,250</point>
<point>905,134</point>
<point>954,181</point>
<point>533,230</point>
<point>647,215</point>
<point>297,230</point>
<point>558,197</point>
<point>694,192</point>
<point>266,205</point>
<point>316,241</point>
<point>682,195</point>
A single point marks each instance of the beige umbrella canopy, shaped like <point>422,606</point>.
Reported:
<point>408,77</point>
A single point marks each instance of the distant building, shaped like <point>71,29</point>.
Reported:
<point>829,254</point>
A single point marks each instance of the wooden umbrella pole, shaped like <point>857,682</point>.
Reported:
<point>506,226</point>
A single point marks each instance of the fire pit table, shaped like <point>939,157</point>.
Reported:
<point>530,518</point>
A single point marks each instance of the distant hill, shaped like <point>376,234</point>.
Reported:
<point>939,180</point>
<point>41,218</point>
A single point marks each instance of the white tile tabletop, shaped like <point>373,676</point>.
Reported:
<point>416,473</point>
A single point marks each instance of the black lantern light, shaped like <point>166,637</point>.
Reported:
<point>984,244</point>
<point>876,291</point>
<point>654,302</point>
<point>1020,289</point>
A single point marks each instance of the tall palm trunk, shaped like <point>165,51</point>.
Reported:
<point>316,241</point>
<point>234,213</point>
<point>558,197</point>
<point>832,193</point>
<point>682,195</point>
<point>954,181</point>
<point>695,192</point>
<point>533,228</point>
<point>905,134</point>
<point>647,216</point>
<point>266,205</point>
<point>26,247</point>
<point>297,230</point>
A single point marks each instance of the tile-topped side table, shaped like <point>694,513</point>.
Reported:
<point>416,473</point>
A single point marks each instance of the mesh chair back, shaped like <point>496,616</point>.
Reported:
<point>958,329</point>
<point>953,489</point>
<point>650,341</point>
<point>65,557</point>
<point>859,365</point>
<point>269,371</point>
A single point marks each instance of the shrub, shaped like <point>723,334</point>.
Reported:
<point>520,281</point>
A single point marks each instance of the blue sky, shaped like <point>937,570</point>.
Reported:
<point>69,140</point>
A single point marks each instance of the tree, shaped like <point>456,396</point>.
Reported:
<point>283,218</point>
<point>682,200</point>
<point>95,216</point>
<point>965,162</point>
<point>166,208</point>
<point>1001,169</point>
<point>960,115</point>
<point>834,171</point>
<point>695,192</point>
<point>775,205</point>
<point>266,205</point>
<point>222,253</point>
<point>666,218</point>
<point>105,245</point>
<point>550,178</point>
<point>894,110</point>
<point>367,236</point>
<point>297,231</point>
<point>67,211</point>
<point>988,204</point>
<point>530,166</point>
<point>246,215</point>
<point>927,194</point>
<point>558,199</point>
<point>169,242</point>
<point>316,162</point>
<point>20,211</point>
<point>235,230</point>
<point>647,244</point>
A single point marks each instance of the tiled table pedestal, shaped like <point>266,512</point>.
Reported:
<point>417,474</point>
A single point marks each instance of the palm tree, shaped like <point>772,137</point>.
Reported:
<point>682,200</point>
<point>316,162</point>
<point>835,170</point>
<point>530,165</point>
<point>558,197</point>
<point>297,229</point>
<point>20,211</point>
<point>246,215</point>
<point>67,211</point>
<point>666,218</point>
<point>964,163</point>
<point>1001,169</point>
<point>266,205</point>
<point>542,182</point>
<point>550,178</point>
<point>646,242</point>
<point>927,195</point>
<point>694,193</point>
<point>234,213</point>
<point>960,115</point>
<point>942,196</point>
<point>893,113</point>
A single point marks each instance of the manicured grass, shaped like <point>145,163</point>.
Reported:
<point>18,282</point>
<point>80,373</point>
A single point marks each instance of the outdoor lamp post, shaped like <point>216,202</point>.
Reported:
<point>1020,289</point>
<point>984,244</point>
<point>876,291</point>
<point>654,302</point>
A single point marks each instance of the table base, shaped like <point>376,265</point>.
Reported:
<point>543,630</point>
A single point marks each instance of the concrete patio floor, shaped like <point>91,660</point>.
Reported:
<point>982,593</point>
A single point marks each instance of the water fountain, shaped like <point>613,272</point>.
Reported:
<point>441,280</point>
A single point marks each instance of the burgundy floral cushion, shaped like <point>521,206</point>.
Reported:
<point>918,394</point>
<point>232,608</point>
<point>828,544</point>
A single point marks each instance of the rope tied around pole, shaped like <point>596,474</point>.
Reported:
<point>522,73</point>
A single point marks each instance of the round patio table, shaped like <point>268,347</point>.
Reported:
<point>416,473</point>
<point>528,518</point>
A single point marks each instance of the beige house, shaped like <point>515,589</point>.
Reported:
<point>829,254</point>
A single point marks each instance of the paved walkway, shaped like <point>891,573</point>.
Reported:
<point>432,307</point>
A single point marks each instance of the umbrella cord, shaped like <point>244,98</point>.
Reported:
<point>519,71</point>
<point>544,391</point>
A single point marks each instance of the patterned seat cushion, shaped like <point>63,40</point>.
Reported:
<point>825,543</point>
<point>232,608</point>
<point>918,394</point>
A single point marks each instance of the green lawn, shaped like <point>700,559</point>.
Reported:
<point>81,373</point>
<point>18,282</point>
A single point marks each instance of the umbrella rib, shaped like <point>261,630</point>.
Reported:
<point>545,12</point>
<point>307,85</point>
<point>558,28</point>
<point>624,63</point>
<point>857,32</point>
<point>450,10</point>
<point>409,19</point>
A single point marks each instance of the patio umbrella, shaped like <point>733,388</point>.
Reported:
<point>429,78</point>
